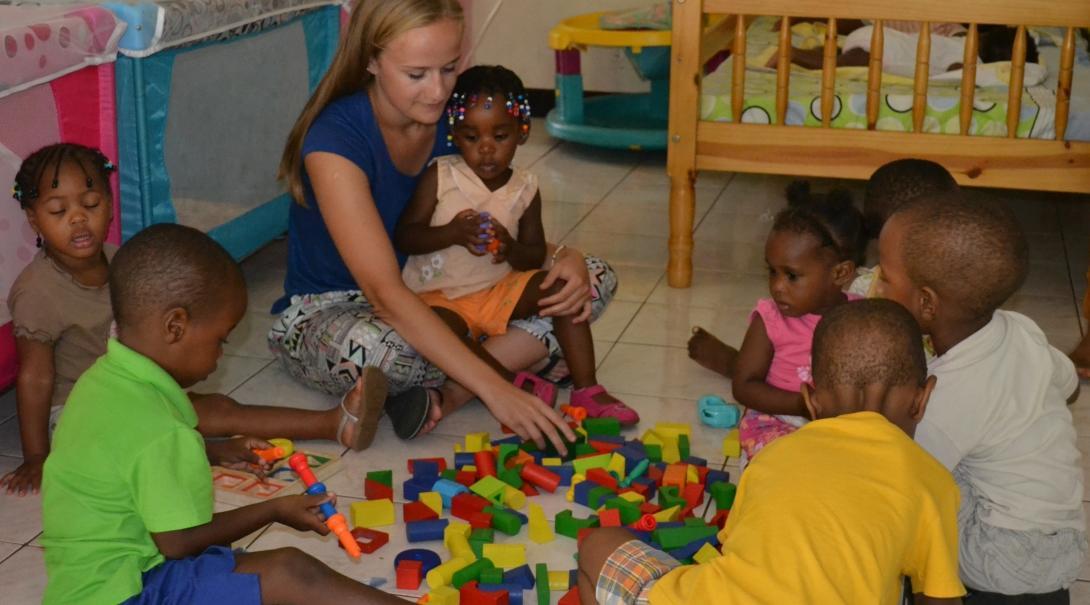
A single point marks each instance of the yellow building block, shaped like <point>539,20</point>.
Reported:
<point>373,513</point>
<point>434,500</point>
<point>691,474</point>
<point>616,465</point>
<point>514,498</point>
<point>652,437</point>
<point>670,452</point>
<point>667,514</point>
<point>633,497</point>
<point>540,530</point>
<point>456,528</point>
<point>469,468</point>
<point>477,442</point>
<point>732,447</point>
<point>443,595</point>
<point>442,575</point>
<point>576,479</point>
<point>673,430</point>
<point>559,580</point>
<point>705,554</point>
<point>507,556</point>
<point>458,448</point>
<point>551,462</point>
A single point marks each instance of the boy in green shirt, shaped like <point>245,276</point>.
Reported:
<point>127,490</point>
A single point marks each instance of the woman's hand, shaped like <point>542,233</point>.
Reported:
<point>465,229</point>
<point>574,297</point>
<point>528,417</point>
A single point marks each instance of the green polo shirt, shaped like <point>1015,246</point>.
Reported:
<point>126,461</point>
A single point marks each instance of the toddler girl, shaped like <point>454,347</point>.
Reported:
<point>811,254</point>
<point>60,303</point>
<point>474,218</point>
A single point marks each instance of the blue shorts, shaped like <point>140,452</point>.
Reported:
<point>206,578</point>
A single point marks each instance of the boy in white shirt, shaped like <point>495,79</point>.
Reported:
<point>998,417</point>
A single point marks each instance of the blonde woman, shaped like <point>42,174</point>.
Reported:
<point>352,162</point>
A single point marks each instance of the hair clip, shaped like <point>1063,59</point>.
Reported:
<point>109,166</point>
<point>17,192</point>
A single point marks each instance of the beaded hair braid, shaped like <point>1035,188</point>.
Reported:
<point>93,163</point>
<point>485,84</point>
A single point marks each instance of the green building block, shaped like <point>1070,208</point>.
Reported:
<point>723,494</point>
<point>384,477</point>
<point>506,451</point>
<point>492,576</point>
<point>484,534</point>
<point>541,584</point>
<point>582,465</point>
<point>602,426</point>
<point>630,511</point>
<point>675,537</point>
<point>450,474</point>
<point>583,449</point>
<point>550,450</point>
<point>695,522</point>
<point>668,496</point>
<point>477,546</point>
<point>654,452</point>
<point>567,524</point>
<point>504,520</point>
<point>489,488</point>
<point>598,496</point>
<point>471,572</point>
<point>683,446</point>
<point>511,477</point>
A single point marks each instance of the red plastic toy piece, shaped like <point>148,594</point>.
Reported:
<point>571,597</point>
<point>602,477</point>
<point>486,464</point>
<point>373,490</point>
<point>368,540</point>
<point>646,523</point>
<point>528,489</point>
<point>610,517</point>
<point>417,511</point>
<point>471,594</point>
<point>465,504</point>
<point>540,477</point>
<point>466,478</point>
<point>334,520</point>
<point>408,574</point>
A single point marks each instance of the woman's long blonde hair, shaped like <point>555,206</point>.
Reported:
<point>373,25</point>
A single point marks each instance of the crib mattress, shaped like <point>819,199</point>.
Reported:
<point>1037,119</point>
<point>41,43</point>
<point>154,25</point>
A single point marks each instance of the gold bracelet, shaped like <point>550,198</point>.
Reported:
<point>556,253</point>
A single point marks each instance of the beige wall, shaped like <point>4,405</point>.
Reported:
<point>518,39</point>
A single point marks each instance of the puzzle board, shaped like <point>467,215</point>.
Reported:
<point>241,488</point>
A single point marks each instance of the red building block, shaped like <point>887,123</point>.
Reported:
<point>409,574</point>
<point>369,540</point>
<point>465,504</point>
<point>540,477</point>
<point>529,490</point>
<point>486,464</point>
<point>417,511</point>
<point>610,517</point>
<point>720,518</point>
<point>646,523</point>
<point>373,490</point>
<point>649,508</point>
<point>466,478</point>
<point>602,477</point>
<point>571,597</point>
<point>583,533</point>
<point>603,447</point>
<point>693,493</point>
<point>675,475</point>
<point>654,473</point>
<point>471,594</point>
<point>479,520</point>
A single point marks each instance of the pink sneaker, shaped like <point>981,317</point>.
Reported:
<point>584,398</point>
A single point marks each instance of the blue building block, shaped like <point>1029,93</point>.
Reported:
<point>573,578</point>
<point>513,440</point>
<point>582,491</point>
<point>424,531</point>
<point>686,552</point>
<point>607,439</point>
<point>422,469</point>
<point>565,471</point>
<point>520,576</point>
<point>463,459</point>
<point>412,487</point>
<point>715,477</point>
<point>642,536</point>
<point>514,592</point>
<point>695,461</point>
<point>428,559</point>
<point>652,488</point>
<point>448,489</point>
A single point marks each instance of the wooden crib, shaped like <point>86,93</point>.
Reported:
<point>702,28</point>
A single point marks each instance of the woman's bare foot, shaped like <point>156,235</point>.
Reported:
<point>1081,357</point>
<point>360,410</point>
<point>436,410</point>
<point>712,353</point>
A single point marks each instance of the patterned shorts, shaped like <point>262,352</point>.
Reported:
<point>324,339</point>
<point>757,430</point>
<point>630,572</point>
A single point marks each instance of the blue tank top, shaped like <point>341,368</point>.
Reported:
<point>346,127</point>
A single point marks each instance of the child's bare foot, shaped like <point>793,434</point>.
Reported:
<point>1081,357</point>
<point>361,409</point>
<point>712,353</point>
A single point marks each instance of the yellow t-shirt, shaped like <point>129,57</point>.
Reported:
<point>836,512</point>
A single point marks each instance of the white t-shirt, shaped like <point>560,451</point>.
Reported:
<point>999,413</point>
<point>899,50</point>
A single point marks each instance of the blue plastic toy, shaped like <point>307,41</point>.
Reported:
<point>714,411</point>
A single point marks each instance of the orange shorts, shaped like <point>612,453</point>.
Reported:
<point>486,312</point>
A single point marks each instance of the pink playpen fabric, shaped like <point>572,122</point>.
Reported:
<point>56,84</point>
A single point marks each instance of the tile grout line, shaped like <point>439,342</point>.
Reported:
<point>250,377</point>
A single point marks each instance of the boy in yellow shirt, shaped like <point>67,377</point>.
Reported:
<point>838,512</point>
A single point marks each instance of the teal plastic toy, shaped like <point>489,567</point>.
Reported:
<point>714,411</point>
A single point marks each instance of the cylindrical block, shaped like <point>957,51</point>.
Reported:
<point>486,463</point>
<point>443,574</point>
<point>540,476</point>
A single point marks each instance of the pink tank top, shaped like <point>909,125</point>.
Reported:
<point>454,270</point>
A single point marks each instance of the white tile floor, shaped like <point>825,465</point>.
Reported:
<point>612,204</point>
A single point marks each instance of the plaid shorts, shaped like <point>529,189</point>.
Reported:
<point>630,572</point>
